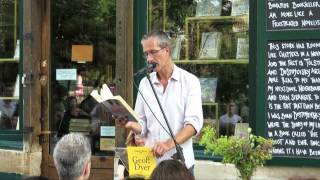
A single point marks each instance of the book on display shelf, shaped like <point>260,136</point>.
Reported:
<point>208,8</point>
<point>210,45</point>
<point>242,48</point>
<point>208,89</point>
<point>239,7</point>
<point>176,49</point>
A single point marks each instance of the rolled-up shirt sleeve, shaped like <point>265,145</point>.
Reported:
<point>193,110</point>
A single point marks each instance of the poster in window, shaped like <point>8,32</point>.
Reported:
<point>239,7</point>
<point>208,7</point>
<point>176,49</point>
<point>210,45</point>
<point>242,48</point>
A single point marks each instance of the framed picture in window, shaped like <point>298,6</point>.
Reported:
<point>242,48</point>
<point>176,48</point>
<point>208,7</point>
<point>240,7</point>
<point>210,45</point>
<point>208,89</point>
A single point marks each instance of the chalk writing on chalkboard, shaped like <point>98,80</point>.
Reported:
<point>293,97</point>
<point>292,14</point>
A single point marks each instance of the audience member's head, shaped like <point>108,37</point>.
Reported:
<point>35,178</point>
<point>171,169</point>
<point>301,178</point>
<point>134,178</point>
<point>72,157</point>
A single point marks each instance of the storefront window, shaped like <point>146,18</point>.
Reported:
<point>9,65</point>
<point>210,39</point>
<point>83,58</point>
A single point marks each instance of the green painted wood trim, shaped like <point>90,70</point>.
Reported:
<point>217,18</point>
<point>252,64</point>
<point>140,21</point>
<point>11,176</point>
<point>12,145</point>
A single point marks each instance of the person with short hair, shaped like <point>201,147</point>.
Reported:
<point>171,169</point>
<point>35,178</point>
<point>228,121</point>
<point>72,157</point>
<point>179,93</point>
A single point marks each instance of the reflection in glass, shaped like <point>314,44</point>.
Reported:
<point>229,66</point>
<point>8,114</point>
<point>9,95</point>
<point>91,23</point>
<point>8,28</point>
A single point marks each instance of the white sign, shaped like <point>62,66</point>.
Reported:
<point>107,131</point>
<point>66,74</point>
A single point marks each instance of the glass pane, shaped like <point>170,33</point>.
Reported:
<point>210,39</point>
<point>9,67</point>
<point>8,15</point>
<point>9,95</point>
<point>83,58</point>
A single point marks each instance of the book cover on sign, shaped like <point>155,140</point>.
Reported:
<point>141,161</point>
<point>115,104</point>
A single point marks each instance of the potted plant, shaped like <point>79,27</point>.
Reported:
<point>246,153</point>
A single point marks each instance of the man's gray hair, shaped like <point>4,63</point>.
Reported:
<point>163,39</point>
<point>71,154</point>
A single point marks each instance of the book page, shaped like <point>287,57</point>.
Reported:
<point>115,104</point>
<point>119,107</point>
<point>105,92</point>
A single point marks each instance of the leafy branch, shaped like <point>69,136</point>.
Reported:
<point>246,153</point>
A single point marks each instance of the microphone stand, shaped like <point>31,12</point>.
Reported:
<point>179,154</point>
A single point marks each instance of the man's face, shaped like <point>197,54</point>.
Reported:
<point>233,108</point>
<point>155,54</point>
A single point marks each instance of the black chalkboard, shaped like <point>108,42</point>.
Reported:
<point>293,97</point>
<point>292,14</point>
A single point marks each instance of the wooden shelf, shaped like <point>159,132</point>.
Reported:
<point>209,103</point>
<point>243,19</point>
<point>213,61</point>
<point>10,98</point>
<point>218,18</point>
<point>9,60</point>
<point>7,25</point>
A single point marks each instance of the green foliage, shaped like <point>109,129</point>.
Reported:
<point>245,153</point>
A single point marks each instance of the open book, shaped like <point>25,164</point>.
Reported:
<point>115,104</point>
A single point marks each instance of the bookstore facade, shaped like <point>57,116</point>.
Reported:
<point>251,57</point>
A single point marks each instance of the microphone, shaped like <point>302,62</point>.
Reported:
<point>148,69</point>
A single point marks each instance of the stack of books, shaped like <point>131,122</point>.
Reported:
<point>80,126</point>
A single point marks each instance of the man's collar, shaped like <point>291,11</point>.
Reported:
<point>174,76</point>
